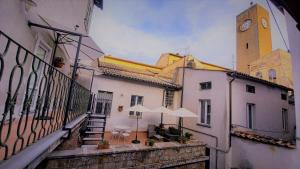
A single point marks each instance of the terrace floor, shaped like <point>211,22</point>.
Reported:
<point>142,136</point>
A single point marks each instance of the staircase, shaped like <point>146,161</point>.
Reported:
<point>95,129</point>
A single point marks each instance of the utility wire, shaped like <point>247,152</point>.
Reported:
<point>277,26</point>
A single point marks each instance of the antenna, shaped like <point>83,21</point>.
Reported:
<point>233,62</point>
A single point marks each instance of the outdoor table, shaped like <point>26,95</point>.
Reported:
<point>121,128</point>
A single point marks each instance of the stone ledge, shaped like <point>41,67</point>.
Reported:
<point>91,150</point>
<point>162,155</point>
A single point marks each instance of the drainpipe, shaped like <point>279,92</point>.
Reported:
<point>182,82</point>
<point>230,108</point>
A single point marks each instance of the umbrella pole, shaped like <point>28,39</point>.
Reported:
<point>161,119</point>
<point>136,141</point>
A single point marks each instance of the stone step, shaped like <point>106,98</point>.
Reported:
<point>95,126</point>
<point>98,116</point>
<point>97,120</point>
<point>92,139</point>
<point>94,132</point>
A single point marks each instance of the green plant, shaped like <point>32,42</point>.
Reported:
<point>188,135</point>
<point>182,139</point>
<point>150,142</point>
<point>174,131</point>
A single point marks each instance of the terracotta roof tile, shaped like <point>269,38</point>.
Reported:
<point>263,139</point>
<point>113,70</point>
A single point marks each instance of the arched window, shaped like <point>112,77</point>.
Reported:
<point>259,75</point>
<point>272,75</point>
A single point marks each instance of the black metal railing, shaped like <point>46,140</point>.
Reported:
<point>33,98</point>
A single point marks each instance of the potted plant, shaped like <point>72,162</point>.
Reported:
<point>188,135</point>
<point>58,62</point>
<point>150,142</point>
<point>103,144</point>
<point>182,140</point>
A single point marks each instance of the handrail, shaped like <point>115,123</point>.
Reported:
<point>31,84</point>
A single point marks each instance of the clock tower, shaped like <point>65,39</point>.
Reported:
<point>253,36</point>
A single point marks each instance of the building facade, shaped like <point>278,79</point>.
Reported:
<point>249,105</point>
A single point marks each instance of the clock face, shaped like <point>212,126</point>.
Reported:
<point>246,25</point>
<point>264,22</point>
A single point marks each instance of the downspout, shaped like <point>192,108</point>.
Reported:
<point>181,99</point>
<point>230,108</point>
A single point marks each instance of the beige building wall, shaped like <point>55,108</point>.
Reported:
<point>278,60</point>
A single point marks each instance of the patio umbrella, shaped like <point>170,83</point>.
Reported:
<point>161,110</point>
<point>182,112</point>
<point>137,108</point>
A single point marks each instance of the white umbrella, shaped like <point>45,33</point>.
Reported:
<point>161,110</point>
<point>182,112</point>
<point>137,108</point>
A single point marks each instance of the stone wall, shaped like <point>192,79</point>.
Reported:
<point>162,155</point>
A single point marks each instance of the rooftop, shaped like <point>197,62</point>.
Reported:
<point>142,76</point>
<point>249,135</point>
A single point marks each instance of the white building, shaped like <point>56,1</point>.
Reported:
<point>117,89</point>
<point>252,106</point>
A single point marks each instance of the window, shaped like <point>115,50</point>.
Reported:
<point>135,100</point>
<point>104,101</point>
<point>259,75</point>
<point>284,119</point>
<point>250,115</point>
<point>205,112</point>
<point>169,95</point>
<point>205,85</point>
<point>250,89</point>
<point>247,46</point>
<point>272,75</point>
<point>284,95</point>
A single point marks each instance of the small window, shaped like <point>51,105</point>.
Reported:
<point>169,95</point>
<point>136,100</point>
<point>250,89</point>
<point>272,75</point>
<point>250,115</point>
<point>284,95</point>
<point>247,46</point>
<point>259,75</point>
<point>205,112</point>
<point>205,85</point>
<point>284,119</point>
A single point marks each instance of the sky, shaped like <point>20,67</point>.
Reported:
<point>141,30</point>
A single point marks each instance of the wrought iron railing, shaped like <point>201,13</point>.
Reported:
<point>33,98</point>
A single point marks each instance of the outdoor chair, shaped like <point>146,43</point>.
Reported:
<point>126,135</point>
<point>151,130</point>
<point>115,134</point>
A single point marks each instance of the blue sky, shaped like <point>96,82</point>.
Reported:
<point>142,30</point>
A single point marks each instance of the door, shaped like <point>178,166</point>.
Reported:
<point>104,102</point>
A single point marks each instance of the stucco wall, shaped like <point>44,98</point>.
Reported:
<point>249,154</point>
<point>268,108</point>
<point>219,119</point>
<point>122,91</point>
<point>294,41</point>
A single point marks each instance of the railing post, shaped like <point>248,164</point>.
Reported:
<point>72,84</point>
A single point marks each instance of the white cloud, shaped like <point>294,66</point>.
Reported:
<point>213,41</point>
